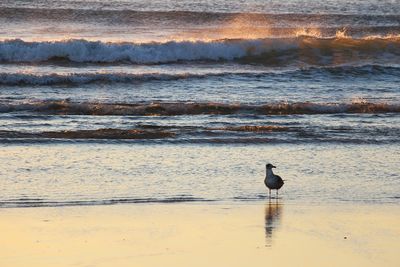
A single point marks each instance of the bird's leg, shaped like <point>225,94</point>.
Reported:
<point>270,193</point>
<point>277,193</point>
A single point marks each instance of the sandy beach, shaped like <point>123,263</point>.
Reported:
<point>201,235</point>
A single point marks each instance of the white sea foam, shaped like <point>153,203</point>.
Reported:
<point>86,51</point>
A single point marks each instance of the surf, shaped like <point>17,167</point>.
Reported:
<point>306,49</point>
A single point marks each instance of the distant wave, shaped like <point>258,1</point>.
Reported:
<point>193,108</point>
<point>20,79</point>
<point>73,14</point>
<point>301,6</point>
<point>221,24</point>
<point>264,51</point>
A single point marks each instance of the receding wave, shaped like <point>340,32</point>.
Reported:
<point>37,202</point>
<point>142,132</point>
<point>65,107</point>
<point>225,133</point>
<point>312,50</point>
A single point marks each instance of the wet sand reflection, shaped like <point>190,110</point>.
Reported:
<point>273,213</point>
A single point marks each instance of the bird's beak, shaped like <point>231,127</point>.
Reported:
<point>273,166</point>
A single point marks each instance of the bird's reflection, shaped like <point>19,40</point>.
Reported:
<point>273,213</point>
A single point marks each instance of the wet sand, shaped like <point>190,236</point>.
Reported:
<point>251,234</point>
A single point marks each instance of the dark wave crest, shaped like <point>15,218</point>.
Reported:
<point>142,132</point>
<point>92,134</point>
<point>66,107</point>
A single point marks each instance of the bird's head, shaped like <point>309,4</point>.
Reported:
<point>270,166</point>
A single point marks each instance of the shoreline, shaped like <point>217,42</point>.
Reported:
<point>182,234</point>
<point>200,202</point>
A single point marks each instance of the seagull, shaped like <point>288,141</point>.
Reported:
<point>272,181</point>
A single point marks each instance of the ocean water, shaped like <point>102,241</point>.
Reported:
<point>164,101</point>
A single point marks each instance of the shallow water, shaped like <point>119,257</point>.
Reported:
<point>96,174</point>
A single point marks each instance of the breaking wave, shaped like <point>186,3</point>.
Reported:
<point>65,107</point>
<point>306,49</point>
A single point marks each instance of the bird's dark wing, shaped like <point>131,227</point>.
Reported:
<point>280,181</point>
